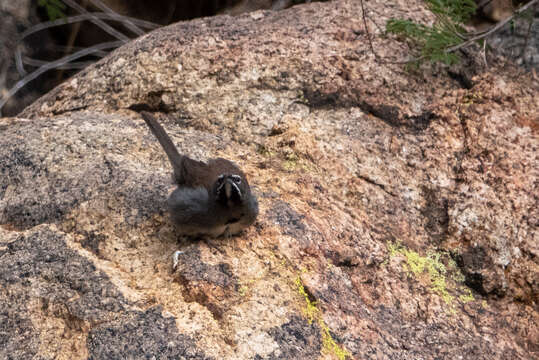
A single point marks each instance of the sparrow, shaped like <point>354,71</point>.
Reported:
<point>212,198</point>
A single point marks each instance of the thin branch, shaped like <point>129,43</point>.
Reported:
<point>62,48</point>
<point>127,23</point>
<point>73,19</point>
<point>367,30</point>
<point>376,56</point>
<point>53,64</point>
<point>104,26</point>
<point>478,36</point>
<point>18,61</point>
<point>83,17</point>
<point>485,53</point>
<point>68,66</point>
<point>71,40</point>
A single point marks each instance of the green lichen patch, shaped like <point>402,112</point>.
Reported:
<point>243,290</point>
<point>313,313</point>
<point>467,296</point>
<point>310,310</point>
<point>291,162</point>
<point>443,276</point>
<point>264,151</point>
<point>471,98</point>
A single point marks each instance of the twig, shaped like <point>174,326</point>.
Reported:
<point>376,56</point>
<point>485,53</point>
<point>70,20</point>
<point>54,64</point>
<point>18,61</point>
<point>86,16</point>
<point>68,66</point>
<point>104,26</point>
<point>71,41</point>
<point>65,62</point>
<point>61,48</point>
<point>367,30</point>
<point>128,23</point>
<point>452,48</point>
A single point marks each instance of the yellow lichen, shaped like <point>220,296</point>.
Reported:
<point>330,345</point>
<point>471,98</point>
<point>243,290</point>
<point>264,151</point>
<point>312,313</point>
<point>467,296</point>
<point>434,268</point>
<point>291,162</point>
<point>457,275</point>
<point>393,249</point>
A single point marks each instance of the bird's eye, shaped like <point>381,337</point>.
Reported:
<point>220,178</point>
<point>236,178</point>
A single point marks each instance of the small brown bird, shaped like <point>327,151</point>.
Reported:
<point>212,198</point>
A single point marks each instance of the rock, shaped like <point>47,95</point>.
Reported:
<point>496,10</point>
<point>398,210</point>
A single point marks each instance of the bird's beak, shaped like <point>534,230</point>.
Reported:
<point>228,189</point>
<point>231,188</point>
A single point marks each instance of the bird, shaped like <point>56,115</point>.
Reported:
<point>212,198</point>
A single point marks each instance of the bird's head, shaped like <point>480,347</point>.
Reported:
<point>230,189</point>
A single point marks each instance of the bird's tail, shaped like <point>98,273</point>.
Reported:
<point>172,152</point>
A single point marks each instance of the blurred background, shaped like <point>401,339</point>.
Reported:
<point>44,42</point>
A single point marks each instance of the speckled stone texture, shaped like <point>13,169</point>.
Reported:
<point>398,209</point>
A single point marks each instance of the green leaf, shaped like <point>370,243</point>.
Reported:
<point>55,8</point>
<point>448,31</point>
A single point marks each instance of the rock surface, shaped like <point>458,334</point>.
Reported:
<point>398,210</point>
